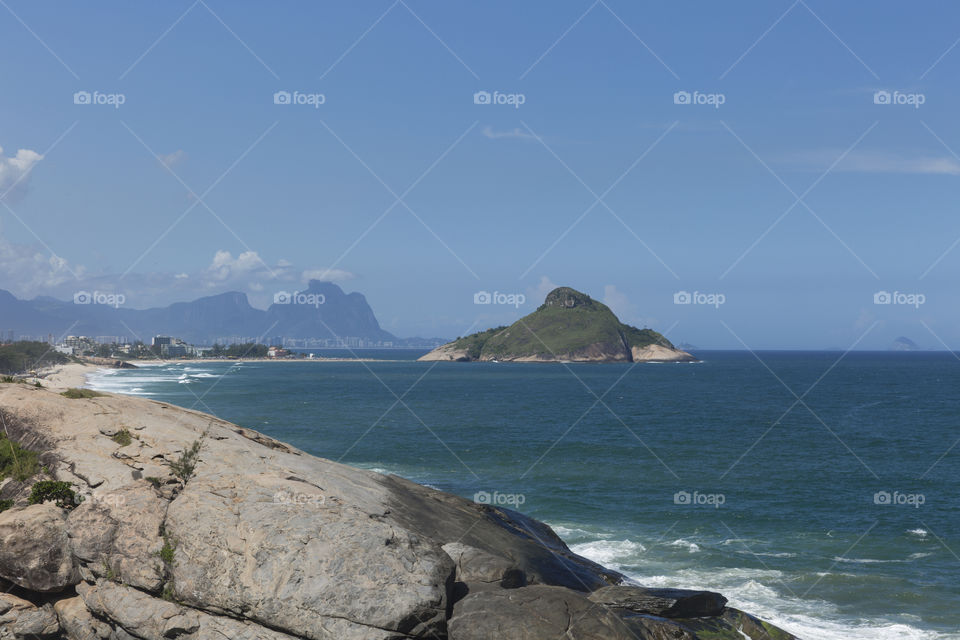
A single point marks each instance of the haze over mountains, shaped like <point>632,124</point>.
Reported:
<point>321,311</point>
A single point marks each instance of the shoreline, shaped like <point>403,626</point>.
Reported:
<point>458,569</point>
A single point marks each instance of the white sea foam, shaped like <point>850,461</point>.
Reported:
<point>762,592</point>
<point>920,533</point>
<point>692,547</point>
<point>609,552</point>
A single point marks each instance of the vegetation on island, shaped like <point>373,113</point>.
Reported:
<point>567,322</point>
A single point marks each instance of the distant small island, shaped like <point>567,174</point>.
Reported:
<point>569,326</point>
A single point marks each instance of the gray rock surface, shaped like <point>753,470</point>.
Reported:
<point>34,549</point>
<point>534,613</point>
<point>23,620</point>
<point>667,603</point>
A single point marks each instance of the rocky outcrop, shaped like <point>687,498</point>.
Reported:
<point>199,529</point>
<point>659,353</point>
<point>446,353</point>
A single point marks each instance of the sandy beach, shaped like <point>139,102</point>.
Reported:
<point>66,376</point>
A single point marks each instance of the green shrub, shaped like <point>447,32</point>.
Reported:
<point>60,492</point>
<point>156,482</point>
<point>15,461</point>
<point>5,504</point>
<point>184,467</point>
<point>168,551</point>
<point>76,394</point>
<point>122,437</point>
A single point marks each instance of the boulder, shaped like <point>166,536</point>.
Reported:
<point>534,613</point>
<point>34,548</point>
<point>666,603</point>
<point>138,615</point>
<point>23,620</point>
<point>76,621</point>
<point>116,534</point>
<point>319,570</point>
<point>474,565</point>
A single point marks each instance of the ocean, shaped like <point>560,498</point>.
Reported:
<point>816,490</point>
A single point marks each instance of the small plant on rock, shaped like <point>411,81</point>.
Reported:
<point>122,437</point>
<point>60,493</point>
<point>186,464</point>
<point>76,394</point>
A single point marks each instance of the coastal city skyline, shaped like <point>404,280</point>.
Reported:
<point>785,183</point>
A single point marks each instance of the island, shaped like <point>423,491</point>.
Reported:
<point>569,326</point>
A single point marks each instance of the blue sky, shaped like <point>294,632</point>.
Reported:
<point>796,199</point>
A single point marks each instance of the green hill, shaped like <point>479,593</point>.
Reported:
<point>569,325</point>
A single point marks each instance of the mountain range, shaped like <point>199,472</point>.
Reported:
<point>321,311</point>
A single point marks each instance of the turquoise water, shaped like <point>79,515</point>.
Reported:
<point>688,475</point>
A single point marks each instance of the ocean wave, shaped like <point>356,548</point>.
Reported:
<point>613,553</point>
<point>762,592</point>
<point>692,547</point>
<point>920,533</point>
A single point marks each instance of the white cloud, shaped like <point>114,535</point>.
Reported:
<point>327,275</point>
<point>876,162</point>
<point>15,171</point>
<point>226,267</point>
<point>516,133</point>
<point>29,271</point>
<point>171,159</point>
<point>539,293</point>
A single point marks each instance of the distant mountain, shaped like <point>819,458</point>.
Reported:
<point>321,311</point>
<point>904,344</point>
<point>568,326</point>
